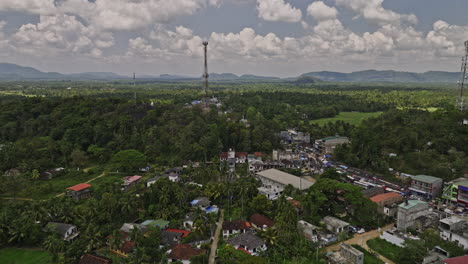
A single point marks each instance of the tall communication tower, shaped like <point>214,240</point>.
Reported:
<point>463,79</point>
<point>205,74</point>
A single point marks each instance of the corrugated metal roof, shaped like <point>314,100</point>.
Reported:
<point>286,178</point>
<point>426,178</point>
<point>411,203</point>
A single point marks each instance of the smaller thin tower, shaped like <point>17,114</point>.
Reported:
<point>205,74</point>
<point>463,79</point>
<point>134,79</point>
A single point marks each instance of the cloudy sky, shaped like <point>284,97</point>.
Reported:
<point>264,37</point>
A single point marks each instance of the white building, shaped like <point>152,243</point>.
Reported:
<point>454,229</point>
<point>274,181</point>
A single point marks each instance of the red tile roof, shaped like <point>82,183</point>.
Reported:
<point>258,154</point>
<point>241,154</point>
<point>457,260</point>
<point>130,179</point>
<point>183,232</point>
<point>223,155</point>
<point>241,249</point>
<point>261,220</point>
<point>91,259</point>
<point>184,252</point>
<point>236,225</point>
<point>384,196</point>
<point>127,247</point>
<point>79,187</point>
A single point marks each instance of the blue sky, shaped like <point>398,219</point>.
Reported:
<point>264,37</point>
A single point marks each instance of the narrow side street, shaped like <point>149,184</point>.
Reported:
<point>214,245</point>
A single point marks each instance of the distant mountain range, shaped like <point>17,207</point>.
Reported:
<point>10,72</point>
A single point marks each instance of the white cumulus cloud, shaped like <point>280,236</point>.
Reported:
<point>278,10</point>
<point>320,11</point>
<point>372,10</point>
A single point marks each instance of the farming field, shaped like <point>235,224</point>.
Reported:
<point>24,256</point>
<point>354,118</point>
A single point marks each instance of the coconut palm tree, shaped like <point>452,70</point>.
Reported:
<point>270,235</point>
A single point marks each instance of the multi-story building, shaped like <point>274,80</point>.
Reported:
<point>454,229</point>
<point>453,194</point>
<point>462,197</point>
<point>274,181</point>
<point>409,211</point>
<point>425,186</point>
<point>327,145</point>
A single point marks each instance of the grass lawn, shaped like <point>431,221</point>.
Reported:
<point>385,248</point>
<point>354,118</point>
<point>24,256</point>
<point>368,257</point>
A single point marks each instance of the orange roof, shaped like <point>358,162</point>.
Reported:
<point>384,196</point>
<point>79,187</point>
<point>241,249</point>
<point>183,232</point>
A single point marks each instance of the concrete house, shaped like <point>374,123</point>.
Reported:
<point>386,203</point>
<point>409,211</point>
<point>274,181</point>
<point>183,253</point>
<point>309,231</point>
<point>248,242</point>
<point>261,222</point>
<point>235,227</point>
<point>327,145</point>
<point>201,202</point>
<point>79,191</point>
<point>129,182</point>
<point>348,255</point>
<point>454,229</point>
<point>428,187</point>
<point>66,231</point>
<point>335,225</point>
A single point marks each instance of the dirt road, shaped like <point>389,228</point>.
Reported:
<point>214,245</point>
<point>361,240</point>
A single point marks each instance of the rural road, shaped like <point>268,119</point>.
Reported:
<point>361,240</point>
<point>214,245</point>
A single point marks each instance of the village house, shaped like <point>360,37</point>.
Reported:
<point>201,202</point>
<point>50,174</point>
<point>387,203</point>
<point>248,242</point>
<point>368,193</point>
<point>130,182</point>
<point>347,254</point>
<point>188,220</point>
<point>183,253</point>
<point>456,260</point>
<point>428,187</point>
<point>171,237</point>
<point>327,145</point>
<point>92,259</point>
<point>14,172</point>
<point>67,232</point>
<point>79,191</point>
<point>335,225</point>
<point>409,211</point>
<point>454,229</point>
<point>309,231</point>
<point>235,227</point>
<point>274,181</point>
<point>160,223</point>
<point>261,222</point>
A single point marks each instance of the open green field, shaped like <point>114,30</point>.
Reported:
<point>368,257</point>
<point>24,256</point>
<point>385,248</point>
<point>354,118</point>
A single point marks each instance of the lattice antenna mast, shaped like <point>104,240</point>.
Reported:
<point>463,79</point>
<point>205,74</point>
<point>134,79</point>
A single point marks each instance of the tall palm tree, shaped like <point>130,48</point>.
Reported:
<point>270,235</point>
<point>54,244</point>
<point>116,240</point>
